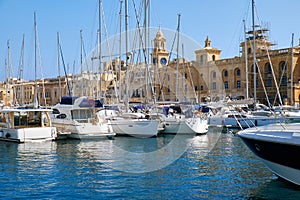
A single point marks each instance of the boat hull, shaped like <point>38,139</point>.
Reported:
<point>74,130</point>
<point>21,135</point>
<point>135,128</point>
<point>278,149</point>
<point>186,126</point>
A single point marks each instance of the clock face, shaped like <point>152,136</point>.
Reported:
<point>163,61</point>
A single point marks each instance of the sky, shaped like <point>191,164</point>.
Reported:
<point>221,21</point>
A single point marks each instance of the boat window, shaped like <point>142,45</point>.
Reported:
<point>82,114</point>
<point>28,119</point>
<point>55,111</point>
<point>61,116</point>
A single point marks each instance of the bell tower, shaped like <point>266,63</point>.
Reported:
<point>159,55</point>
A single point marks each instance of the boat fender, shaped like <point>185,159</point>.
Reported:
<point>52,133</point>
<point>7,135</point>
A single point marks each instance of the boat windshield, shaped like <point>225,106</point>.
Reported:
<point>28,119</point>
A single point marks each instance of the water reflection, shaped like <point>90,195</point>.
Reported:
<point>103,169</point>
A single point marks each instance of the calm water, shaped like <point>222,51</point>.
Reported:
<point>168,167</point>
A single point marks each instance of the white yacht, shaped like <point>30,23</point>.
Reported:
<point>277,145</point>
<point>178,121</point>
<point>25,125</point>
<point>134,124</point>
<point>78,118</point>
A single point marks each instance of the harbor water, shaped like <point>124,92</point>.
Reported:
<point>212,166</point>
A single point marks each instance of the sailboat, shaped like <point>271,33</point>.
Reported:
<point>27,124</point>
<point>130,123</point>
<point>277,146</point>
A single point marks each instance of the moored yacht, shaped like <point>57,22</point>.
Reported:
<point>182,119</point>
<point>78,118</point>
<point>277,145</point>
<point>134,124</point>
<point>24,125</point>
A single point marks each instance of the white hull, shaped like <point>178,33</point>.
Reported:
<point>28,134</point>
<point>287,173</point>
<point>75,130</point>
<point>135,127</point>
<point>186,126</point>
<point>251,122</point>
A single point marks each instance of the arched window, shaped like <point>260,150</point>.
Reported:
<point>238,72</point>
<point>249,50</point>
<point>225,73</point>
<point>282,66</point>
<point>268,68</point>
<point>162,45</point>
<point>213,57</point>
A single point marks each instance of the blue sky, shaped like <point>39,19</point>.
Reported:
<point>220,20</point>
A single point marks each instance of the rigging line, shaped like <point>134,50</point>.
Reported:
<point>145,55</point>
<point>284,71</point>
<point>272,69</point>
<point>64,66</point>
<point>109,53</point>
<point>192,82</point>
<point>166,71</point>
<point>41,68</point>
<point>261,79</point>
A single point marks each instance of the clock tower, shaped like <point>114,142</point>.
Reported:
<point>159,55</point>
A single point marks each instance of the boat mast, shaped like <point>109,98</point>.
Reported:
<point>120,56</point>
<point>177,61</point>
<point>35,100</point>
<point>99,46</point>
<point>81,62</point>
<point>254,53</point>
<point>58,66</point>
<point>127,57</point>
<point>22,70</point>
<point>292,75</point>
<point>246,61</point>
<point>8,69</point>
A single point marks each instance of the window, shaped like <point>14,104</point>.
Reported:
<point>238,84</point>
<point>213,57</point>
<point>196,88</point>
<point>268,68</point>
<point>226,85</point>
<point>214,86</point>
<point>169,89</point>
<point>269,82</point>
<point>185,75</point>
<point>282,66</point>
<point>214,74</point>
<point>225,73</point>
<point>238,72</point>
<point>201,87</point>
<point>284,81</point>
<point>154,60</point>
<point>249,50</point>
